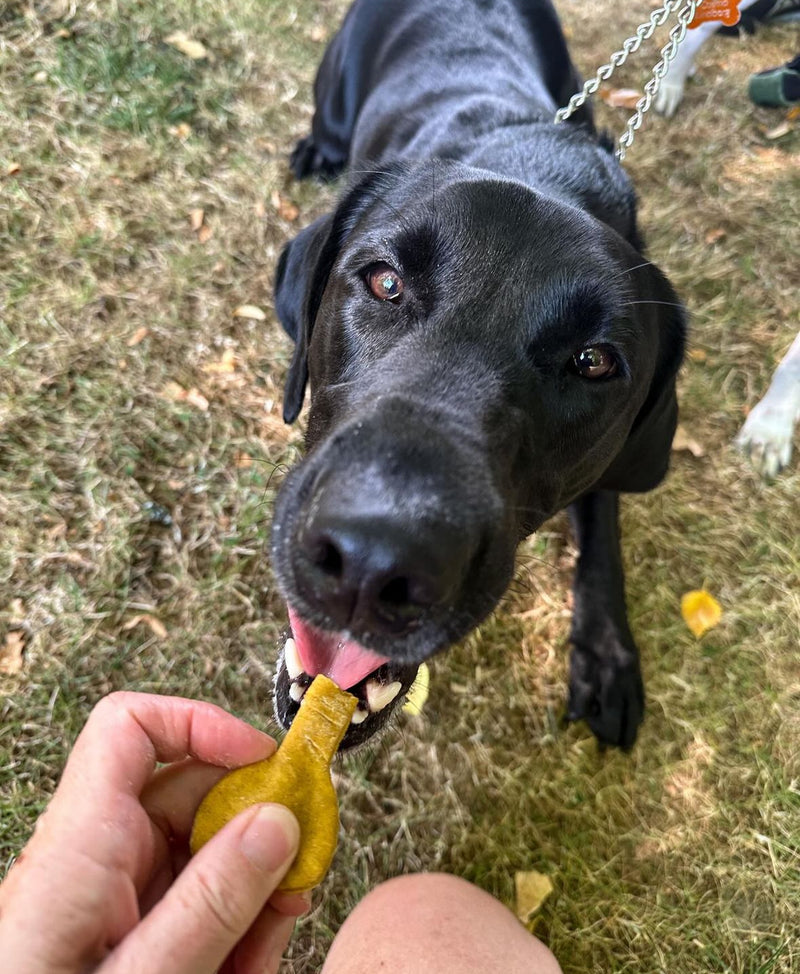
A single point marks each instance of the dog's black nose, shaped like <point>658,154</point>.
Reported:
<point>374,572</point>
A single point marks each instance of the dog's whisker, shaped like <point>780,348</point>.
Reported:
<point>666,304</point>
<point>630,270</point>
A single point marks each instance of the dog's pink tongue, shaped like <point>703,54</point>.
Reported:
<point>341,660</point>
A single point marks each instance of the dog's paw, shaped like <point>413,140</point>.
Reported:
<point>306,160</point>
<point>668,97</point>
<point>606,690</point>
<point>766,436</point>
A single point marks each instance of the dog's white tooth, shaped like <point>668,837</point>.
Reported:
<point>292,659</point>
<point>359,716</point>
<point>297,692</point>
<point>380,695</point>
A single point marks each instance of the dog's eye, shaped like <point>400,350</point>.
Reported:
<point>595,362</point>
<point>384,282</point>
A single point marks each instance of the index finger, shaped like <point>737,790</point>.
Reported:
<point>127,734</point>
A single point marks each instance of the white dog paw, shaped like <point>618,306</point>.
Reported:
<point>668,98</point>
<point>766,437</point>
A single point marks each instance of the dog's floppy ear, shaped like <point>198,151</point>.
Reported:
<point>300,274</point>
<point>643,461</point>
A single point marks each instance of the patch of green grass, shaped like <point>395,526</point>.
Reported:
<point>135,83</point>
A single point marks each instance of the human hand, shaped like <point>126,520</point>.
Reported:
<point>106,883</point>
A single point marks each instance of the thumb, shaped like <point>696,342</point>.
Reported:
<point>216,898</point>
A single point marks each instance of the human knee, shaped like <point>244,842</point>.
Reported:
<point>432,922</point>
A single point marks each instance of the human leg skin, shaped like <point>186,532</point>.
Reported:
<point>432,923</point>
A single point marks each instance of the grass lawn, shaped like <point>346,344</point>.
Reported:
<point>144,198</point>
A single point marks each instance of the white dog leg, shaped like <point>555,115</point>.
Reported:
<point>670,94</point>
<point>768,430</point>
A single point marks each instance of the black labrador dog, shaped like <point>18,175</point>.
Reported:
<point>485,346</point>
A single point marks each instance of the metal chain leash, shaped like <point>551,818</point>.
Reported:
<point>632,44</point>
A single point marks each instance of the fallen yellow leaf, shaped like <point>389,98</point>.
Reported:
<point>700,611</point>
<point>187,45</point>
<point>249,311</point>
<point>180,131</point>
<point>205,233</point>
<point>225,366</point>
<point>418,693</point>
<point>532,890</point>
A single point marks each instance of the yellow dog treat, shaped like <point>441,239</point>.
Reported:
<point>297,775</point>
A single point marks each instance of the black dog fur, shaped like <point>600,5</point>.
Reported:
<point>527,365</point>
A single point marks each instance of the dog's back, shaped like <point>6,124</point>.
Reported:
<point>468,81</point>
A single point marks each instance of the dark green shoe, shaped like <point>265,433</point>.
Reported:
<point>776,87</point>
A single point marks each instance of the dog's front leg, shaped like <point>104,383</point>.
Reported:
<point>605,686</point>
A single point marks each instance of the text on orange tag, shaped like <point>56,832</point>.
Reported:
<point>725,10</point>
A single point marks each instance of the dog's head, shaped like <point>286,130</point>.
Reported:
<point>478,357</point>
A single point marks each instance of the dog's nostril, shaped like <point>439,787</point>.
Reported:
<point>395,593</point>
<point>328,558</point>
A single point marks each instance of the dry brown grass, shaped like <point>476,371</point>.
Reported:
<point>680,857</point>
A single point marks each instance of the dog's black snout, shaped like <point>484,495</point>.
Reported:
<point>372,572</point>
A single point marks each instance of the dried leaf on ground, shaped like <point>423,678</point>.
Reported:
<point>285,208</point>
<point>138,336</point>
<point>620,97</point>
<point>196,398</point>
<point>225,366</point>
<point>205,233</point>
<point>318,33</point>
<point>249,311</point>
<point>532,890</point>
<point>714,235</point>
<point>700,611</point>
<point>682,441</point>
<point>196,218</point>
<point>13,168</point>
<point>180,131</point>
<point>12,651</point>
<point>697,355</point>
<point>418,694</point>
<point>176,392</point>
<point>156,626</point>
<point>187,45</point>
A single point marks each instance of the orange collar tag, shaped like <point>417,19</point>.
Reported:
<point>725,10</point>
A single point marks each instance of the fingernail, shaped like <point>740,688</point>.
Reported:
<point>270,840</point>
